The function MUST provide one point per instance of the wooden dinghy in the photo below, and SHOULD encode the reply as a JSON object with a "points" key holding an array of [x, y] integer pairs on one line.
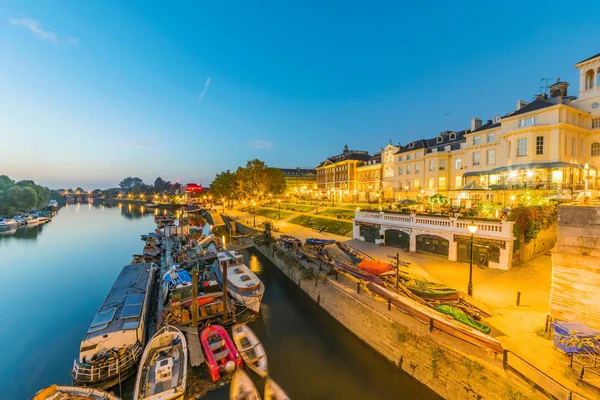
{"points": [[356, 272], [375, 267], [273, 391], [250, 349], [56, 392], [162, 373], [354, 254], [153, 241], [242, 387]]}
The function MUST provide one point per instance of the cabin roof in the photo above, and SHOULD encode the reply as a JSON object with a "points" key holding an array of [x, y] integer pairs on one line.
{"points": [[124, 305]]}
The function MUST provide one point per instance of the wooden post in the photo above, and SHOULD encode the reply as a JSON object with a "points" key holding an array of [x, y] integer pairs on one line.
{"points": [[397, 270], [505, 359], [431, 325], [225, 303], [195, 298], [357, 287], [389, 305], [518, 299]]}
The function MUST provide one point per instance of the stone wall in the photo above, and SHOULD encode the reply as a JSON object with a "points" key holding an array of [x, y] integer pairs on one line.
{"points": [[575, 293], [544, 242], [452, 368]]}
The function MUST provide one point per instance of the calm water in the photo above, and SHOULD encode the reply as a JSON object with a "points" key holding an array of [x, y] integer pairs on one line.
{"points": [[56, 275]]}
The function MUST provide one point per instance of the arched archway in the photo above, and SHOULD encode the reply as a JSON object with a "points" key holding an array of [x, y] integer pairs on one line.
{"points": [[388, 193], [432, 244], [396, 238], [589, 79]]}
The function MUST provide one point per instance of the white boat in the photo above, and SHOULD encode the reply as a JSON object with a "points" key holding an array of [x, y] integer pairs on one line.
{"points": [[162, 373], [8, 223], [273, 391], [250, 349], [242, 387], [53, 205], [114, 342], [242, 284], [56, 392]]}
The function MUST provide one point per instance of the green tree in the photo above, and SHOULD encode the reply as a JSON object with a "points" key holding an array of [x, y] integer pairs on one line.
{"points": [[130, 183], [225, 185], [276, 181], [257, 179], [5, 182]]}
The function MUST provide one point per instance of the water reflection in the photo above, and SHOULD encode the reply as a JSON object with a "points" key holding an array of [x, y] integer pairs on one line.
{"points": [[28, 232]]}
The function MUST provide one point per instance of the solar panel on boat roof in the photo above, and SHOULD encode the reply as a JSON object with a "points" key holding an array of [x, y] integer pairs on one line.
{"points": [[103, 317], [132, 311], [134, 299]]}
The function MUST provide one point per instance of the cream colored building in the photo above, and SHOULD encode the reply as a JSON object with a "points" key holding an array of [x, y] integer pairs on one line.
{"points": [[368, 186], [549, 145]]}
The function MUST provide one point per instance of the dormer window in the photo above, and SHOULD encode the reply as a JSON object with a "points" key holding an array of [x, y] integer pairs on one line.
{"points": [[496, 119], [411, 145], [452, 136], [439, 139]]}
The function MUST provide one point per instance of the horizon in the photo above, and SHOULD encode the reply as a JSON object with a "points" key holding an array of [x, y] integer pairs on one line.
{"points": [[94, 93]]}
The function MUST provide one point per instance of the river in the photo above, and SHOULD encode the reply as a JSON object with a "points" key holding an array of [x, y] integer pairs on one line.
{"points": [[56, 276]]}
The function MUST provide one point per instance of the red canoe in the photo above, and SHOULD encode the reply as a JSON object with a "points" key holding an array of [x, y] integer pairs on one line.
{"points": [[219, 350], [375, 267]]}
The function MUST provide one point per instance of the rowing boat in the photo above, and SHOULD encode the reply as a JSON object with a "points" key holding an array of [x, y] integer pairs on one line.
{"points": [[250, 349], [354, 254], [375, 267], [273, 391], [356, 272], [242, 387], [319, 242]]}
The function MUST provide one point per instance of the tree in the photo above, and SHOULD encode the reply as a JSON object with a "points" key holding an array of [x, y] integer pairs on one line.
{"points": [[276, 181], [161, 186], [130, 183], [5, 182], [225, 185]]}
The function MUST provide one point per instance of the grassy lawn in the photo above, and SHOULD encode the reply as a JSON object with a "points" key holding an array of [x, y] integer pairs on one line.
{"points": [[353, 206], [342, 228], [273, 214], [294, 207], [334, 212]]}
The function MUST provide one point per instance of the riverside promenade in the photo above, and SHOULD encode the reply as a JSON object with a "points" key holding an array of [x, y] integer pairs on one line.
{"points": [[519, 328]]}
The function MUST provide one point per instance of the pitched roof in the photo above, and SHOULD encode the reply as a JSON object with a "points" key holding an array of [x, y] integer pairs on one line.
{"points": [[587, 59], [348, 155], [296, 171], [537, 104], [488, 125]]}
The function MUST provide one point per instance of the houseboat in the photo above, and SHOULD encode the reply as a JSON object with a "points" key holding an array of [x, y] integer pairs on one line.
{"points": [[113, 344]]}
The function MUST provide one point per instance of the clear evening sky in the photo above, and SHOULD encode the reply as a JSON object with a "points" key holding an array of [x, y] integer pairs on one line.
{"points": [[94, 91]]}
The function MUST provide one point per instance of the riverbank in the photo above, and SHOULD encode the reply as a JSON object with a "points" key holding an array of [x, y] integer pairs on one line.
{"points": [[459, 358]]}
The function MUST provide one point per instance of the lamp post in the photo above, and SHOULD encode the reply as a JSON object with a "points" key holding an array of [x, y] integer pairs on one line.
{"points": [[279, 208], [472, 227], [333, 197], [406, 190], [223, 201], [254, 212]]}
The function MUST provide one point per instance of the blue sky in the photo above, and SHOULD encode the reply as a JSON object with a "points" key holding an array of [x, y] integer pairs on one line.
{"points": [[94, 91]]}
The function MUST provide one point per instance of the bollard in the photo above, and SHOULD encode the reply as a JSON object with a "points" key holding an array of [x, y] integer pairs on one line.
{"points": [[319, 299], [336, 275], [518, 299], [357, 287], [389, 305], [431, 325]]}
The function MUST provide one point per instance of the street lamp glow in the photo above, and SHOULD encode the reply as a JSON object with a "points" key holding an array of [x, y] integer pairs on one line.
{"points": [[472, 227], [529, 174], [406, 187]]}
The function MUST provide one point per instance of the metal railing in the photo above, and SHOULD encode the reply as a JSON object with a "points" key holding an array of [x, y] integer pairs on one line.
{"points": [[586, 368], [537, 378], [105, 370]]}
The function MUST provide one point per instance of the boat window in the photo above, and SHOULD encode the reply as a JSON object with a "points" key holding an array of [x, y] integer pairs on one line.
{"points": [[132, 311], [103, 318], [134, 299], [97, 328], [245, 278]]}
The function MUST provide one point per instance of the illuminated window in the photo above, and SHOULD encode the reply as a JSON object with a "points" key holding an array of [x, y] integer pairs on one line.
{"points": [[491, 157], [458, 182], [431, 183], [417, 184], [596, 149], [431, 165], [442, 165], [442, 183], [458, 163], [476, 158]]}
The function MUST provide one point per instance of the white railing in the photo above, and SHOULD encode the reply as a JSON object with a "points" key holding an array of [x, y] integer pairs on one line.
{"points": [[99, 371], [492, 229]]}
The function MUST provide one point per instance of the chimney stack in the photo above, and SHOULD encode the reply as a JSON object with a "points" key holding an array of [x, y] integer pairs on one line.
{"points": [[558, 90], [475, 123], [521, 104]]}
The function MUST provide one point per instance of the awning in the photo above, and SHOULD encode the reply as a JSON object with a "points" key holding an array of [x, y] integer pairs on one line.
{"points": [[525, 166], [474, 185]]}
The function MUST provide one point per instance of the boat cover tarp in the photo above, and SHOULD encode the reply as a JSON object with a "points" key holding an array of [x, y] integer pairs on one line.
{"points": [[374, 267], [174, 278], [460, 316]]}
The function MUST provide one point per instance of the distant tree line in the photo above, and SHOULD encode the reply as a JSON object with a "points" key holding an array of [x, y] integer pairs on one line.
{"points": [[254, 181], [137, 186], [21, 196]]}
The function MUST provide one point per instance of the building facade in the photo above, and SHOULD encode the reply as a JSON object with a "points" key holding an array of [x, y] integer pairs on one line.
{"points": [[337, 176], [551, 144], [299, 180], [368, 186]]}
